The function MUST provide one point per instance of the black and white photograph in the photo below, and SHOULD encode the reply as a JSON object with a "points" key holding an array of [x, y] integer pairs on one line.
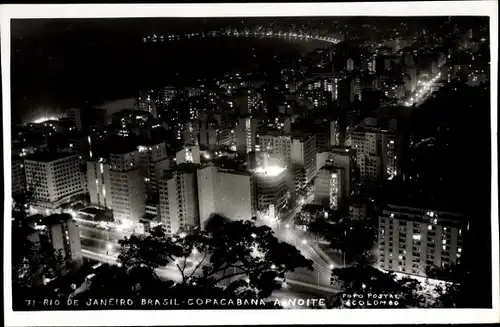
{"points": [[259, 164]]}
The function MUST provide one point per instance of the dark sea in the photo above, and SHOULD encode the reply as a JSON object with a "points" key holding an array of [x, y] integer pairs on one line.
{"points": [[58, 73]]}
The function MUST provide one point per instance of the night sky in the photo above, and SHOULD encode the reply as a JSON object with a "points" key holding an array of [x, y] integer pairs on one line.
{"points": [[63, 63]]}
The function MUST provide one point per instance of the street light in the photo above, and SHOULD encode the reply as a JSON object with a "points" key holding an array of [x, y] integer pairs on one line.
{"points": [[304, 241], [332, 266], [109, 247]]}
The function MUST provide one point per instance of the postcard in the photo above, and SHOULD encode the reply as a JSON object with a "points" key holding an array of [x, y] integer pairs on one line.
{"points": [[248, 164]]}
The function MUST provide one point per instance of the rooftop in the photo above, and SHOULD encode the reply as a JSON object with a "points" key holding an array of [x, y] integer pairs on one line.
{"points": [[269, 171], [341, 150], [49, 156], [51, 220]]}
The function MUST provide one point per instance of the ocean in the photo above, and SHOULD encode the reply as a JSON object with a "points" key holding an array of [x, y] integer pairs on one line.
{"points": [[50, 76]]}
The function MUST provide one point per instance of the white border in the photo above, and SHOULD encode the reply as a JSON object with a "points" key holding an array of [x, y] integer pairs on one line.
{"points": [[368, 316]]}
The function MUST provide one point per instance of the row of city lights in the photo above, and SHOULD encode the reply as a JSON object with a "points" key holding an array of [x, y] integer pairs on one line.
{"points": [[154, 38], [426, 86]]}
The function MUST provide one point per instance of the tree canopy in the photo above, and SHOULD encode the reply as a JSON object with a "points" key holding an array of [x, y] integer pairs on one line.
{"points": [[236, 257]]}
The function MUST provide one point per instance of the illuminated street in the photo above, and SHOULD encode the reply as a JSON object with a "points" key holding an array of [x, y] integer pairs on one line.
{"points": [[423, 91], [96, 241]]}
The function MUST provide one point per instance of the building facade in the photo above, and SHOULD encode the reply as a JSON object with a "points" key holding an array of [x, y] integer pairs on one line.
{"points": [[276, 143], [245, 134], [61, 233], [226, 192], [375, 151], [272, 189], [53, 177], [128, 196], [153, 162], [179, 198], [98, 179], [303, 152], [328, 187], [411, 240]]}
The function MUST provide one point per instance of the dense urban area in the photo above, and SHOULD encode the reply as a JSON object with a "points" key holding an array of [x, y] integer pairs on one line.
{"points": [[336, 173]]}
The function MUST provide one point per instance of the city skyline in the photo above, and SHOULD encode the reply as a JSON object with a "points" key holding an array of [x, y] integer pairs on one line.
{"points": [[251, 163]]}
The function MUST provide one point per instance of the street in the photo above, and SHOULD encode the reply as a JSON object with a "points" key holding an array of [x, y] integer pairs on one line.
{"points": [[102, 245]]}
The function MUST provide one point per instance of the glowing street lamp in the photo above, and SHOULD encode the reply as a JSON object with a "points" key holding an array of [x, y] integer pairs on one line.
{"points": [[109, 247], [332, 266], [304, 241]]}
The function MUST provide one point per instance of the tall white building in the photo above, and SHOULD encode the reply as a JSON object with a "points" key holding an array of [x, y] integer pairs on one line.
{"points": [[303, 153], [410, 240], [226, 192], [153, 162], [276, 143], [272, 188], [99, 183], [128, 196], [328, 187], [245, 134], [179, 198], [296, 150], [53, 177], [375, 151], [334, 133]]}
